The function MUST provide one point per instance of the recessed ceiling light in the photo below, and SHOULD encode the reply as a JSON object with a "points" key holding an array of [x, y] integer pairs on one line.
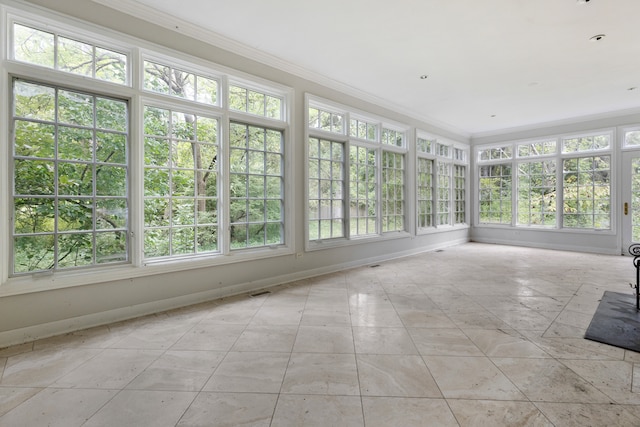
{"points": [[424, 77], [597, 37]]}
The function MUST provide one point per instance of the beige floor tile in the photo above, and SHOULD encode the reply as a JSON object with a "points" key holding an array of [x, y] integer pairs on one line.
{"points": [[504, 343], [317, 373], [490, 413], [58, 407], [443, 342], [111, 369], [613, 378], [267, 338], [407, 412], [178, 371], [10, 397], [143, 408], [588, 415], [209, 335], [42, 368], [324, 339], [318, 411], [471, 378], [395, 375], [258, 372], [414, 318], [230, 410], [371, 340], [547, 380]]}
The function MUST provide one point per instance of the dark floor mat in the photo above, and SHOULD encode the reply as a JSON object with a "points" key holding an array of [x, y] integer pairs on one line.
{"points": [[616, 322]]}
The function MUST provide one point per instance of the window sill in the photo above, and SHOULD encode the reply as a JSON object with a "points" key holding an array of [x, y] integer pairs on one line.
{"points": [[47, 281]]}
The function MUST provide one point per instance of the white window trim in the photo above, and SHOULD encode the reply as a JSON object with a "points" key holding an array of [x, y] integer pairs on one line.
{"points": [[433, 155]]}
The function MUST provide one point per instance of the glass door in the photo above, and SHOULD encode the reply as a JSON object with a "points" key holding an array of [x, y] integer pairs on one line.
{"points": [[630, 199]]}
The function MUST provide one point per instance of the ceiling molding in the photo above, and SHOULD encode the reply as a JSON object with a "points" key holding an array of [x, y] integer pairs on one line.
{"points": [[188, 29], [555, 123]]}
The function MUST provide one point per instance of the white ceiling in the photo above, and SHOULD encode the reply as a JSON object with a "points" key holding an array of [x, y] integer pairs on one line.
{"points": [[522, 61]]}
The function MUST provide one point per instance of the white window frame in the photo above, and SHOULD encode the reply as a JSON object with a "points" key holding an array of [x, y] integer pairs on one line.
{"points": [[437, 143], [349, 113]]}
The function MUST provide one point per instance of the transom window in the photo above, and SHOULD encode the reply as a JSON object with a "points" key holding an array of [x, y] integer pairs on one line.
{"points": [[53, 50], [167, 80], [255, 102]]}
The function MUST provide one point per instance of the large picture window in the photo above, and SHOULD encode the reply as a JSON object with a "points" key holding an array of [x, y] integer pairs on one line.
{"points": [[559, 182], [70, 178]]}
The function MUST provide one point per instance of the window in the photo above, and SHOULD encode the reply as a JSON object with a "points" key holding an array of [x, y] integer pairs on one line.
{"points": [[70, 175], [444, 193], [255, 102], [326, 120], [393, 137], [53, 50], [587, 192], [459, 192], [356, 174], [425, 193], [180, 183], [182, 84], [537, 193], [363, 130], [392, 191], [363, 207], [495, 194], [632, 138], [568, 188], [256, 188], [326, 187]]}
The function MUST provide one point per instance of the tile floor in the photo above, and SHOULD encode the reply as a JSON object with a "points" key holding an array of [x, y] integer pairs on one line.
{"points": [[475, 335]]}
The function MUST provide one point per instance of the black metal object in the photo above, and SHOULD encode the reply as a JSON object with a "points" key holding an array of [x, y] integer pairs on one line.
{"points": [[635, 251]]}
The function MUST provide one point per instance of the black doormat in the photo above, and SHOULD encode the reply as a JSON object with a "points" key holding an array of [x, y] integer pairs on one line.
{"points": [[616, 322]]}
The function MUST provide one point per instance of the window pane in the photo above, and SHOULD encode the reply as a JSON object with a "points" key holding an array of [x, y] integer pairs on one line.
{"points": [[33, 46], [75, 57]]}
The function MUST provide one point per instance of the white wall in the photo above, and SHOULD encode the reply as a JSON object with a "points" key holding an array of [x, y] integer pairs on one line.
{"points": [[29, 315]]}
